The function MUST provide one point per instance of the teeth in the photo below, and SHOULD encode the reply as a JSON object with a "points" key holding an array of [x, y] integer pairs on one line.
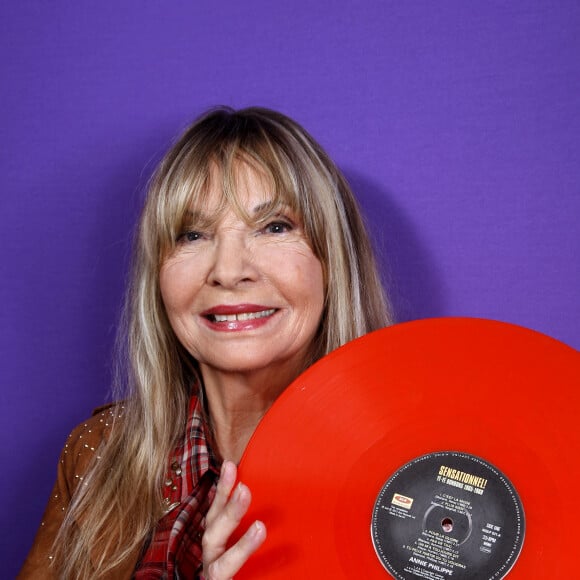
{"points": [[242, 316]]}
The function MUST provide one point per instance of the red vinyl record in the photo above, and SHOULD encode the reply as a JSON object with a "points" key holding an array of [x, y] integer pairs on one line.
{"points": [[422, 410]]}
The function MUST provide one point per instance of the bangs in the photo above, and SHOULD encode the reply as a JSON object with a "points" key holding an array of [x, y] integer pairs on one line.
{"points": [[185, 188], [234, 171]]}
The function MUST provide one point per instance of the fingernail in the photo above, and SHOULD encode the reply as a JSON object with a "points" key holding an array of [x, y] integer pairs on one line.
{"points": [[257, 528]]}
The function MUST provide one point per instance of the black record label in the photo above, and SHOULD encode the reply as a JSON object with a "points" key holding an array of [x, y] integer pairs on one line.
{"points": [[448, 515]]}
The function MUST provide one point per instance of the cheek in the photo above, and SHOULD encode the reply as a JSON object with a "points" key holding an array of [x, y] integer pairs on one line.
{"points": [[176, 286], [306, 282], [318, 289], [167, 288], [315, 280]]}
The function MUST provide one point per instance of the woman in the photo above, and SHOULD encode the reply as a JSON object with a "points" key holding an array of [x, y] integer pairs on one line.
{"points": [[251, 262]]}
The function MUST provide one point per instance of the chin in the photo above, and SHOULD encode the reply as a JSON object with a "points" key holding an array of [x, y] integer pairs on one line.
{"points": [[249, 366]]}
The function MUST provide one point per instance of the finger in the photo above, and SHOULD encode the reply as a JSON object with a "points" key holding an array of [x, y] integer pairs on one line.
{"points": [[233, 559], [228, 475], [223, 524]]}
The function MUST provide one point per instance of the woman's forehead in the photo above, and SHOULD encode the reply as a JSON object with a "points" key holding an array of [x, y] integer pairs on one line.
{"points": [[245, 182], [245, 187]]}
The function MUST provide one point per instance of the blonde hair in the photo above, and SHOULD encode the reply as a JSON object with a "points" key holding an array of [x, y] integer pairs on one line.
{"points": [[120, 500]]}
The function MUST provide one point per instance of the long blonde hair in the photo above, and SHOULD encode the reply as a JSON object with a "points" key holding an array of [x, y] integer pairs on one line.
{"points": [[120, 500]]}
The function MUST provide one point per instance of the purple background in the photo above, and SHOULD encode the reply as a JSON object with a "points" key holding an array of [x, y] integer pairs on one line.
{"points": [[457, 123]]}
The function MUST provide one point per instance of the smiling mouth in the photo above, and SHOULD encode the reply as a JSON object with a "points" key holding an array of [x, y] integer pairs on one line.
{"points": [[242, 316]]}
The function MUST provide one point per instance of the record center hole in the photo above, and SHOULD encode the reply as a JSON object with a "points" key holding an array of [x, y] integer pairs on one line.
{"points": [[447, 525]]}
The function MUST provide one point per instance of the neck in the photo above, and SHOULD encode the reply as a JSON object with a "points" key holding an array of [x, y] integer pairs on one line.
{"points": [[237, 402]]}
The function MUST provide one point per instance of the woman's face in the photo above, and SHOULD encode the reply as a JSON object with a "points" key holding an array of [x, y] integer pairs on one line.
{"points": [[241, 296]]}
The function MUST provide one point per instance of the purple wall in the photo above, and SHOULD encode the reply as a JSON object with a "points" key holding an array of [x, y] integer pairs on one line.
{"points": [[457, 122]]}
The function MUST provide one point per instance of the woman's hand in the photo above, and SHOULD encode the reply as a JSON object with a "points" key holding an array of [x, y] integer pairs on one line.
{"points": [[222, 519]]}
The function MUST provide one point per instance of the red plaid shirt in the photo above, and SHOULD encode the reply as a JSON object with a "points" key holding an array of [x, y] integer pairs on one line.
{"points": [[175, 547]]}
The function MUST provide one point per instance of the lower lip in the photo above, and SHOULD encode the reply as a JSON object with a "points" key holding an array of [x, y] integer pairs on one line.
{"points": [[238, 325]]}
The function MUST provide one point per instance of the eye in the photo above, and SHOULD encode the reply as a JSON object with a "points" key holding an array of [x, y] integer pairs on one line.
{"points": [[192, 236], [278, 227]]}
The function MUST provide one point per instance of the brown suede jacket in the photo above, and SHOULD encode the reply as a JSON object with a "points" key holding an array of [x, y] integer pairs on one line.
{"points": [[75, 458]]}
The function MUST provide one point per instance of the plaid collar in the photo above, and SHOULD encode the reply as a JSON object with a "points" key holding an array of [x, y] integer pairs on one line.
{"points": [[189, 488]]}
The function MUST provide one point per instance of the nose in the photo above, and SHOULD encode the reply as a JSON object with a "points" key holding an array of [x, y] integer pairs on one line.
{"points": [[232, 262]]}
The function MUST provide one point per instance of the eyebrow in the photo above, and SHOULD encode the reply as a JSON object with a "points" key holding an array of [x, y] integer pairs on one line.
{"points": [[269, 206], [262, 209]]}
